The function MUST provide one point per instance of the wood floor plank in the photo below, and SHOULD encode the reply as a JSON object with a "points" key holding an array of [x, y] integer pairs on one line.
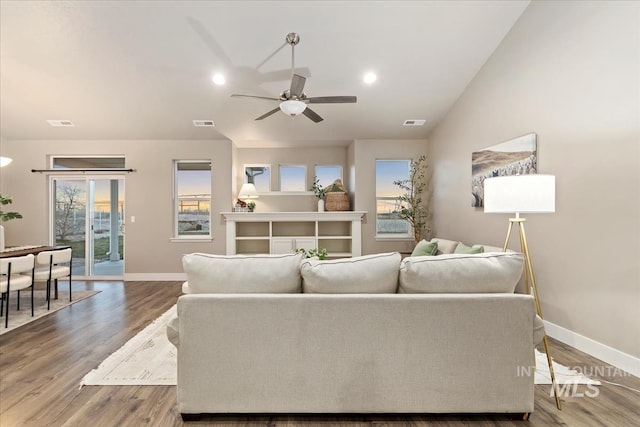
{"points": [[42, 363]]}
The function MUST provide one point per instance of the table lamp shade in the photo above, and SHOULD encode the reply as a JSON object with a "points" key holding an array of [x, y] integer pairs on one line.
{"points": [[520, 193], [248, 191]]}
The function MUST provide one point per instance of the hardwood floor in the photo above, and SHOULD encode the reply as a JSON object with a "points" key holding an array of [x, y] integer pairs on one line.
{"points": [[41, 365]]}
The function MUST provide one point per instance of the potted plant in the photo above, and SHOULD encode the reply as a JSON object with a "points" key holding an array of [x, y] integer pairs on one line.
{"points": [[319, 191], [251, 205], [412, 207], [6, 216], [313, 253]]}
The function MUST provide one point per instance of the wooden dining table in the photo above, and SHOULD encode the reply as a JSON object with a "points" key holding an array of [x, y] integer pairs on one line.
{"points": [[28, 249]]}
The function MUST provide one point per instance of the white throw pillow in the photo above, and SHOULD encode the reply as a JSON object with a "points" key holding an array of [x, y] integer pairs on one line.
{"points": [[445, 246], [374, 274], [238, 274], [488, 272]]}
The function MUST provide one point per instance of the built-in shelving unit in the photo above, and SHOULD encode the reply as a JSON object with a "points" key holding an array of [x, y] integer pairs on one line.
{"points": [[340, 233]]}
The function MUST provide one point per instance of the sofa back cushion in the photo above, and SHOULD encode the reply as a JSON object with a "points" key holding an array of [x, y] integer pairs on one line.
{"points": [[376, 273], [240, 274], [461, 273]]}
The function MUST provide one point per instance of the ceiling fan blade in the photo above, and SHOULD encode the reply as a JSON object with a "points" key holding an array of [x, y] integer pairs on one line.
{"points": [[271, 55], [210, 42], [265, 115], [281, 75], [312, 115], [297, 85], [331, 100], [237, 95]]}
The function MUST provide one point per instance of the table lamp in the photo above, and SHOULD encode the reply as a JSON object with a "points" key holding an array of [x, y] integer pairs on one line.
{"points": [[534, 193], [248, 191]]}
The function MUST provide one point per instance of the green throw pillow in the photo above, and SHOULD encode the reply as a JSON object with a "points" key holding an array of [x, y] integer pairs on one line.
{"points": [[425, 248], [464, 249]]}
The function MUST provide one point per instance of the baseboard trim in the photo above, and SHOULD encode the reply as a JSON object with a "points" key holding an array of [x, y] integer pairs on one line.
{"points": [[617, 358], [156, 277]]}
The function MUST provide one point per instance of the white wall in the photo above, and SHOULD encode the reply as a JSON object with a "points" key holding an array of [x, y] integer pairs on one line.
{"points": [[568, 71], [148, 195]]}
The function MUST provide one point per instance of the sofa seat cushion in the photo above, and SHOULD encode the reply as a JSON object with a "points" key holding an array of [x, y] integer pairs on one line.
{"points": [[488, 272], [173, 332], [207, 273], [538, 330], [376, 273]]}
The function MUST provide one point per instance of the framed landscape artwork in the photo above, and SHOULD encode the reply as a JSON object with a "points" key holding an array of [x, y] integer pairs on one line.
{"points": [[518, 156]]}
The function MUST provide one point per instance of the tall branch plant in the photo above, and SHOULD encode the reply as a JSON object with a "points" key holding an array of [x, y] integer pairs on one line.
{"points": [[412, 206]]}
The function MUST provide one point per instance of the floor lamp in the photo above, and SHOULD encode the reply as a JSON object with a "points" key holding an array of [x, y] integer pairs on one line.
{"points": [[535, 193]]}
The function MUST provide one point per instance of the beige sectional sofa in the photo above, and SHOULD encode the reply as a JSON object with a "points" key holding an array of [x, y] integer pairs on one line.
{"points": [[372, 334]]}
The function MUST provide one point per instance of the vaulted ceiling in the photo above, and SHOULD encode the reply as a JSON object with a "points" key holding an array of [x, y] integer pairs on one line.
{"points": [[143, 69]]}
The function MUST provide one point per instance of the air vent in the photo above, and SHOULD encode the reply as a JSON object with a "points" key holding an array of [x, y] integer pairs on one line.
{"points": [[203, 123], [60, 123], [414, 123]]}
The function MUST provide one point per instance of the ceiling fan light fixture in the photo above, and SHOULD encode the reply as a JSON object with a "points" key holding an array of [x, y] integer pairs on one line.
{"points": [[292, 107]]}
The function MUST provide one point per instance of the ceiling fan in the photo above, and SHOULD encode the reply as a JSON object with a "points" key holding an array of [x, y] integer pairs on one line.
{"points": [[293, 101]]}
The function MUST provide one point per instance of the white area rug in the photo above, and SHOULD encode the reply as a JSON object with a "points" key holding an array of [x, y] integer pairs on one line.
{"points": [[563, 374], [146, 359], [22, 317], [150, 359]]}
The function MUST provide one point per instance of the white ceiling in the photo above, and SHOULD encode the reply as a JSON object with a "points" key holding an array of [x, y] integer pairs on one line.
{"points": [[142, 69]]}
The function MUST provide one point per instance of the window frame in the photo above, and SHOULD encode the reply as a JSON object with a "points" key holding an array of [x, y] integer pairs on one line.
{"points": [[391, 236], [176, 236]]}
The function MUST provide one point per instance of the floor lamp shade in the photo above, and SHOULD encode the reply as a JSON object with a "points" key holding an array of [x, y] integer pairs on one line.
{"points": [[520, 193]]}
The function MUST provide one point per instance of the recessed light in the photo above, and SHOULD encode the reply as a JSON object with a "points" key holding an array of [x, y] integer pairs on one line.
{"points": [[203, 123], [414, 122], [369, 78], [219, 79], [61, 123]]}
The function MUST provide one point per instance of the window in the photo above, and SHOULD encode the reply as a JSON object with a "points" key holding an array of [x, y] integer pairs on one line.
{"points": [[258, 175], [293, 178], [388, 224], [82, 162], [192, 198], [327, 174]]}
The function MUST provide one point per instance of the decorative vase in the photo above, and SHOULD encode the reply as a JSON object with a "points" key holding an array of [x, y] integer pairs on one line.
{"points": [[320, 205]]}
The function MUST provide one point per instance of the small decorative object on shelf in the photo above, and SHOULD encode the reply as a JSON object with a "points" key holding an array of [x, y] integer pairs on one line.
{"points": [[251, 205], [336, 198], [319, 192], [240, 206], [313, 253]]}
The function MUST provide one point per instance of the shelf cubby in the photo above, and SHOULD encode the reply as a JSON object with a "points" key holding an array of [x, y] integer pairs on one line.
{"points": [[340, 233]]}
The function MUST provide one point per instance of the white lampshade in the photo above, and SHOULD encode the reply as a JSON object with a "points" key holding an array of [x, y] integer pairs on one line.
{"points": [[4, 161], [248, 191], [520, 193], [292, 107]]}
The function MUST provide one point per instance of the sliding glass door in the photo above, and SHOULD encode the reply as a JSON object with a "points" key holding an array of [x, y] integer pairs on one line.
{"points": [[88, 215]]}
